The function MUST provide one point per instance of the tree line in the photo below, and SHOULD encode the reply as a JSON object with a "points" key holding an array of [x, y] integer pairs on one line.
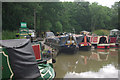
{"points": [[59, 16]]}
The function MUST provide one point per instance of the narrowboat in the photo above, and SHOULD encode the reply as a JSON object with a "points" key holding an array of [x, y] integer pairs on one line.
{"points": [[63, 43], [68, 43], [100, 42], [114, 38], [22, 60], [83, 42], [113, 42], [52, 40]]}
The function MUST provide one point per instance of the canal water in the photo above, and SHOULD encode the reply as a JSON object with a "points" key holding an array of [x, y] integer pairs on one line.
{"points": [[96, 63]]}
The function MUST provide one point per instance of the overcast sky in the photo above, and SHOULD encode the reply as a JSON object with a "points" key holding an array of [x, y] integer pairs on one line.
{"points": [[107, 3]]}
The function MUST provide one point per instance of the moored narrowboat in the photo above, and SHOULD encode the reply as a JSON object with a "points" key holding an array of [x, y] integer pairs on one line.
{"points": [[52, 41], [63, 43], [114, 38], [113, 41], [22, 61], [43, 51], [83, 42], [68, 43], [100, 42]]}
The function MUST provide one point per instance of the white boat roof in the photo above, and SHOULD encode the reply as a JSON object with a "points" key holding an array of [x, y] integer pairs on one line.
{"points": [[114, 30], [84, 31], [78, 35]]}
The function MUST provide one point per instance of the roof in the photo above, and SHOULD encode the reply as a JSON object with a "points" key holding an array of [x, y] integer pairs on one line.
{"points": [[84, 31], [114, 30], [49, 34], [14, 43], [78, 35], [22, 59]]}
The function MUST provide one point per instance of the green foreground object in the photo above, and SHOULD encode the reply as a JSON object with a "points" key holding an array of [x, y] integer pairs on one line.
{"points": [[46, 71], [6, 68], [18, 61]]}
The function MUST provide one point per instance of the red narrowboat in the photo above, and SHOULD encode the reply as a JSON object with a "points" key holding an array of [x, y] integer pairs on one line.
{"points": [[114, 38], [100, 42], [83, 42], [113, 42]]}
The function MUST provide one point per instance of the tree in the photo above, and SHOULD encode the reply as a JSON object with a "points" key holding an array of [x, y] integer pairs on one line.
{"points": [[114, 17], [58, 27], [60, 16]]}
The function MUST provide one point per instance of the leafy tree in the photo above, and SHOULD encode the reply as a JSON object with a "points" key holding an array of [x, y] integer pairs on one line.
{"points": [[114, 17], [60, 16], [58, 27]]}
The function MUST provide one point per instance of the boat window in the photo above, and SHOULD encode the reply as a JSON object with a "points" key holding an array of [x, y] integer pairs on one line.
{"points": [[102, 40]]}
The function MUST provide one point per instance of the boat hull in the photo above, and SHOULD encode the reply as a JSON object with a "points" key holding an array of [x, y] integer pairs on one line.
{"points": [[103, 46], [84, 47], [68, 49], [114, 45]]}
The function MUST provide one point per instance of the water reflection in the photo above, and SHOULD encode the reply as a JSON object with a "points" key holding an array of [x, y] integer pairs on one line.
{"points": [[108, 71], [83, 63]]}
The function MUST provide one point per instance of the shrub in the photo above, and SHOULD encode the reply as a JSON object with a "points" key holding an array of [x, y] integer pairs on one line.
{"points": [[8, 34], [101, 32]]}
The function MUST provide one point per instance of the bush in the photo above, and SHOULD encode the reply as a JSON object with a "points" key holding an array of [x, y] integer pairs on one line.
{"points": [[8, 34], [101, 32]]}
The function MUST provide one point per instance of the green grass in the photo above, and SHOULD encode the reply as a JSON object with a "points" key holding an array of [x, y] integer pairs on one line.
{"points": [[101, 32], [8, 34]]}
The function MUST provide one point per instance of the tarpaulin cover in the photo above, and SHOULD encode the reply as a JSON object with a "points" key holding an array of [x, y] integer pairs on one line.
{"points": [[22, 58]]}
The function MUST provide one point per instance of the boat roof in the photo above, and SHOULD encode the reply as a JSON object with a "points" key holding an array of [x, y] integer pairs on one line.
{"points": [[84, 31], [12, 43], [77, 35], [22, 59], [49, 34], [114, 30]]}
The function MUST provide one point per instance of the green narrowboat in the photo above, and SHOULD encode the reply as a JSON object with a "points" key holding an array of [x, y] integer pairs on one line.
{"points": [[19, 61]]}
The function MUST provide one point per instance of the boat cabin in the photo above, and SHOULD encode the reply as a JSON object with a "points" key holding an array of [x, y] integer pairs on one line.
{"points": [[83, 41], [100, 41], [68, 39], [49, 34], [68, 42], [114, 38], [114, 32]]}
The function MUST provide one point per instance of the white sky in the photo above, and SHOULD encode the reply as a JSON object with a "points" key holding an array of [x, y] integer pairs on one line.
{"points": [[107, 3]]}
